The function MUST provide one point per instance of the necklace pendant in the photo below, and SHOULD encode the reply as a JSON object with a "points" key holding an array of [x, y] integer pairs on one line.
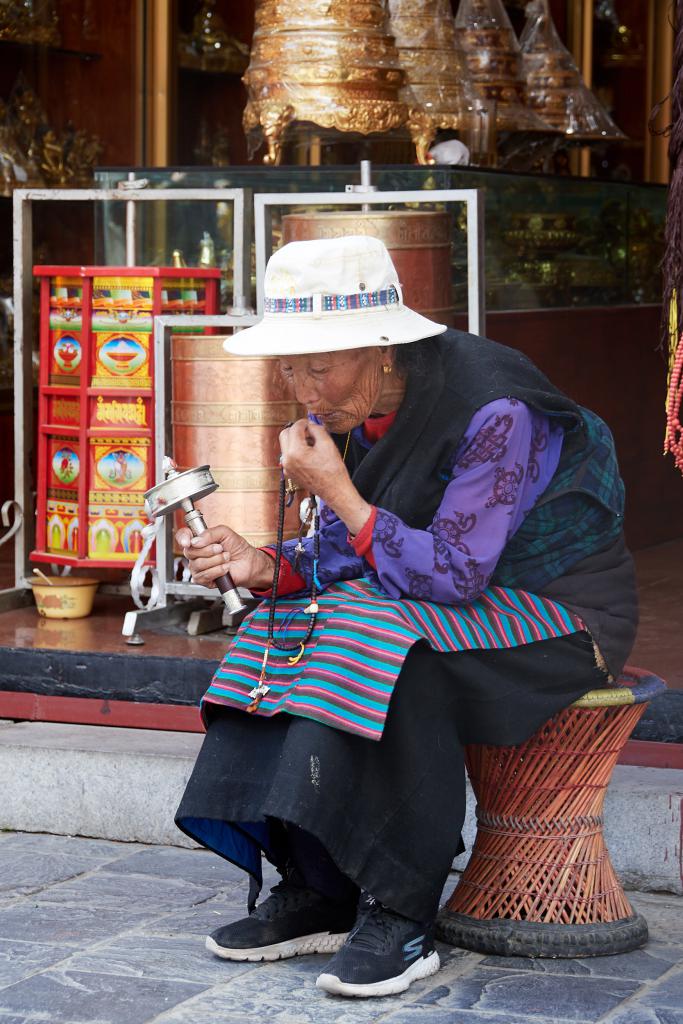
{"points": [[257, 695], [297, 657], [312, 608]]}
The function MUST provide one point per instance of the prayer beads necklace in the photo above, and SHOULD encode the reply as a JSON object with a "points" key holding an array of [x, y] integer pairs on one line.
{"points": [[261, 689]]}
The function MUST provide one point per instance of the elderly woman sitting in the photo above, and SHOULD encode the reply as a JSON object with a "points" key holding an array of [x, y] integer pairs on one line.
{"points": [[464, 578]]}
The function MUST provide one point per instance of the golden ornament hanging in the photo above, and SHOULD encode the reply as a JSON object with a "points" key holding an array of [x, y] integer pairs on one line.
{"points": [[437, 77], [494, 59], [554, 85], [209, 47], [330, 63]]}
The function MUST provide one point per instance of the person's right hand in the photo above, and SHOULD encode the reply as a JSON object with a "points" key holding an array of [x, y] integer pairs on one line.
{"points": [[220, 550]]}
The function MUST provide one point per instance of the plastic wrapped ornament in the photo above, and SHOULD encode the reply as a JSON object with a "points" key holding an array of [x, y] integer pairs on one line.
{"points": [[485, 35], [555, 88]]}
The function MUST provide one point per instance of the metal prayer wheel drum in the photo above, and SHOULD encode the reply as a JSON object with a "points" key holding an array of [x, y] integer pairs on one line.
{"points": [[228, 412], [419, 242]]}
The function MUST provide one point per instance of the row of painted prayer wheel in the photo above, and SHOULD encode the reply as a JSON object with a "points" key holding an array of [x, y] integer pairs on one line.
{"points": [[228, 411]]}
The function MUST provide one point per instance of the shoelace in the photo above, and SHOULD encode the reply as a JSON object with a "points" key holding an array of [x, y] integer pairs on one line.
{"points": [[375, 925], [283, 896]]}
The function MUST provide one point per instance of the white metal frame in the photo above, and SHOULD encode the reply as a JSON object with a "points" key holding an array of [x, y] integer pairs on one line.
{"points": [[131, 193], [472, 198]]}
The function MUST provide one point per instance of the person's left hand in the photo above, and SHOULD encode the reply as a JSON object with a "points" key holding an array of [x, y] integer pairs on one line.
{"points": [[311, 459]]}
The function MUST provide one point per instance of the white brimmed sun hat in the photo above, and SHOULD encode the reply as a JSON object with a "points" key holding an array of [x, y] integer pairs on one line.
{"points": [[330, 294]]}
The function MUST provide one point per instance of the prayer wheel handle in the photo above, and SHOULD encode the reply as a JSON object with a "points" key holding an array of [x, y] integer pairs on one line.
{"points": [[180, 491]]}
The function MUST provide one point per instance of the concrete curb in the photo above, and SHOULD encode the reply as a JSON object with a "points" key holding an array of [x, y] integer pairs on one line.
{"points": [[125, 784]]}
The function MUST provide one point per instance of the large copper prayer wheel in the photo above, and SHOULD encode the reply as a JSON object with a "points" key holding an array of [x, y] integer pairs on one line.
{"points": [[228, 412], [419, 243]]}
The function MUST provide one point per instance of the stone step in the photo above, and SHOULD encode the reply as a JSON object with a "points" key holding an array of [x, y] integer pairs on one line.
{"points": [[125, 784]]}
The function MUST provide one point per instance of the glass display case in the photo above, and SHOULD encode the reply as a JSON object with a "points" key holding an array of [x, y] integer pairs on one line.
{"points": [[551, 242]]}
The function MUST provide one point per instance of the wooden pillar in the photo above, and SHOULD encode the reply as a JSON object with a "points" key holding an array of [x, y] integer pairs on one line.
{"points": [[660, 45], [155, 81], [580, 37]]}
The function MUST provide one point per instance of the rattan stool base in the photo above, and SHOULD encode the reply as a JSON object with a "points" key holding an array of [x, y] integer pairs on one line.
{"points": [[540, 881], [529, 938]]}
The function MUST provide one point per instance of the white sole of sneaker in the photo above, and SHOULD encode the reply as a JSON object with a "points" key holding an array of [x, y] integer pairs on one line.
{"points": [[320, 942], [422, 968]]}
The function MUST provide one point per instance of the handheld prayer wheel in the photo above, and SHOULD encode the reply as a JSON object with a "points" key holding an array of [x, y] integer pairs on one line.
{"points": [[228, 411], [178, 493], [419, 243]]}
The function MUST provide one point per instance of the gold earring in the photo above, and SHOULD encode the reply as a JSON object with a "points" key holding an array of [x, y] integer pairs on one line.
{"points": [[387, 369]]}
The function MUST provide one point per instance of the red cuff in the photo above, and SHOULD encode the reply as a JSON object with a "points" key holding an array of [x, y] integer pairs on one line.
{"points": [[289, 581], [362, 542]]}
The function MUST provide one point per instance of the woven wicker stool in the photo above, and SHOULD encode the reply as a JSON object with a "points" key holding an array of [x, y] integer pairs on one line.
{"points": [[540, 881]]}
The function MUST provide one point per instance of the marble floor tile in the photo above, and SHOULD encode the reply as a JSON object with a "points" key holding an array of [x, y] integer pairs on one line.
{"points": [[27, 871], [197, 866], [532, 995], [58, 924], [140, 892], [80, 998], [151, 956], [636, 1013], [19, 960], [203, 918], [644, 964]]}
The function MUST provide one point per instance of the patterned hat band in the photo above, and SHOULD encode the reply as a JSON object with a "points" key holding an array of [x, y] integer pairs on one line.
{"points": [[333, 303]]}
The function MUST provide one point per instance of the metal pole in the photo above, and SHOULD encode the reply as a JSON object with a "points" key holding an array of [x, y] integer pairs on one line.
{"points": [[476, 296], [23, 382], [131, 216], [365, 181]]}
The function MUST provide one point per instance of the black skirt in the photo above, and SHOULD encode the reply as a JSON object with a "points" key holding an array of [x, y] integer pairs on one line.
{"points": [[389, 813]]}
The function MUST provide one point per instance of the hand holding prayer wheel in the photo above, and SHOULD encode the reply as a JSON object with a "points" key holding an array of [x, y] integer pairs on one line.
{"points": [[219, 550]]}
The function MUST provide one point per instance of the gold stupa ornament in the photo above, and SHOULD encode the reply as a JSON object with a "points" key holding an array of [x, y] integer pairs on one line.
{"points": [[488, 40], [554, 84], [30, 21], [209, 47], [437, 77], [330, 63]]}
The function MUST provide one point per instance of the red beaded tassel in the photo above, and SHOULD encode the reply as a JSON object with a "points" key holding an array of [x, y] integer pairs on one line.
{"points": [[673, 442]]}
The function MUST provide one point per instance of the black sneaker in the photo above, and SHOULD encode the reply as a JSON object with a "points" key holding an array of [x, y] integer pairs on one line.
{"points": [[291, 921], [383, 954]]}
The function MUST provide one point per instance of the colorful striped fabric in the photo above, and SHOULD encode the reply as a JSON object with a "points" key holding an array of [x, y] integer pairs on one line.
{"points": [[348, 670]]}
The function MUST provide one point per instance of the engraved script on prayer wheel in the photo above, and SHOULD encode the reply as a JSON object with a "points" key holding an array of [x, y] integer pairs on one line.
{"points": [[329, 63], [419, 243], [228, 412], [494, 59]]}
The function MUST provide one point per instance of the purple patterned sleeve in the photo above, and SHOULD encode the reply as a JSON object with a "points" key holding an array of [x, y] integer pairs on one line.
{"points": [[503, 464]]}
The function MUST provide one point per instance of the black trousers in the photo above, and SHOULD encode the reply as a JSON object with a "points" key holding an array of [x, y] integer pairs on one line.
{"points": [[388, 814]]}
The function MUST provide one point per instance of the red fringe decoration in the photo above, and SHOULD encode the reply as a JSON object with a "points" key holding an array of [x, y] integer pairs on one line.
{"points": [[672, 264], [673, 441]]}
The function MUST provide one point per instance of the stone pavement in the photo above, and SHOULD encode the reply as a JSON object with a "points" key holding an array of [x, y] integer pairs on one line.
{"points": [[97, 932]]}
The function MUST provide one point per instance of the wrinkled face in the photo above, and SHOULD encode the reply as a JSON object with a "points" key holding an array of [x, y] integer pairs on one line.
{"points": [[340, 388]]}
